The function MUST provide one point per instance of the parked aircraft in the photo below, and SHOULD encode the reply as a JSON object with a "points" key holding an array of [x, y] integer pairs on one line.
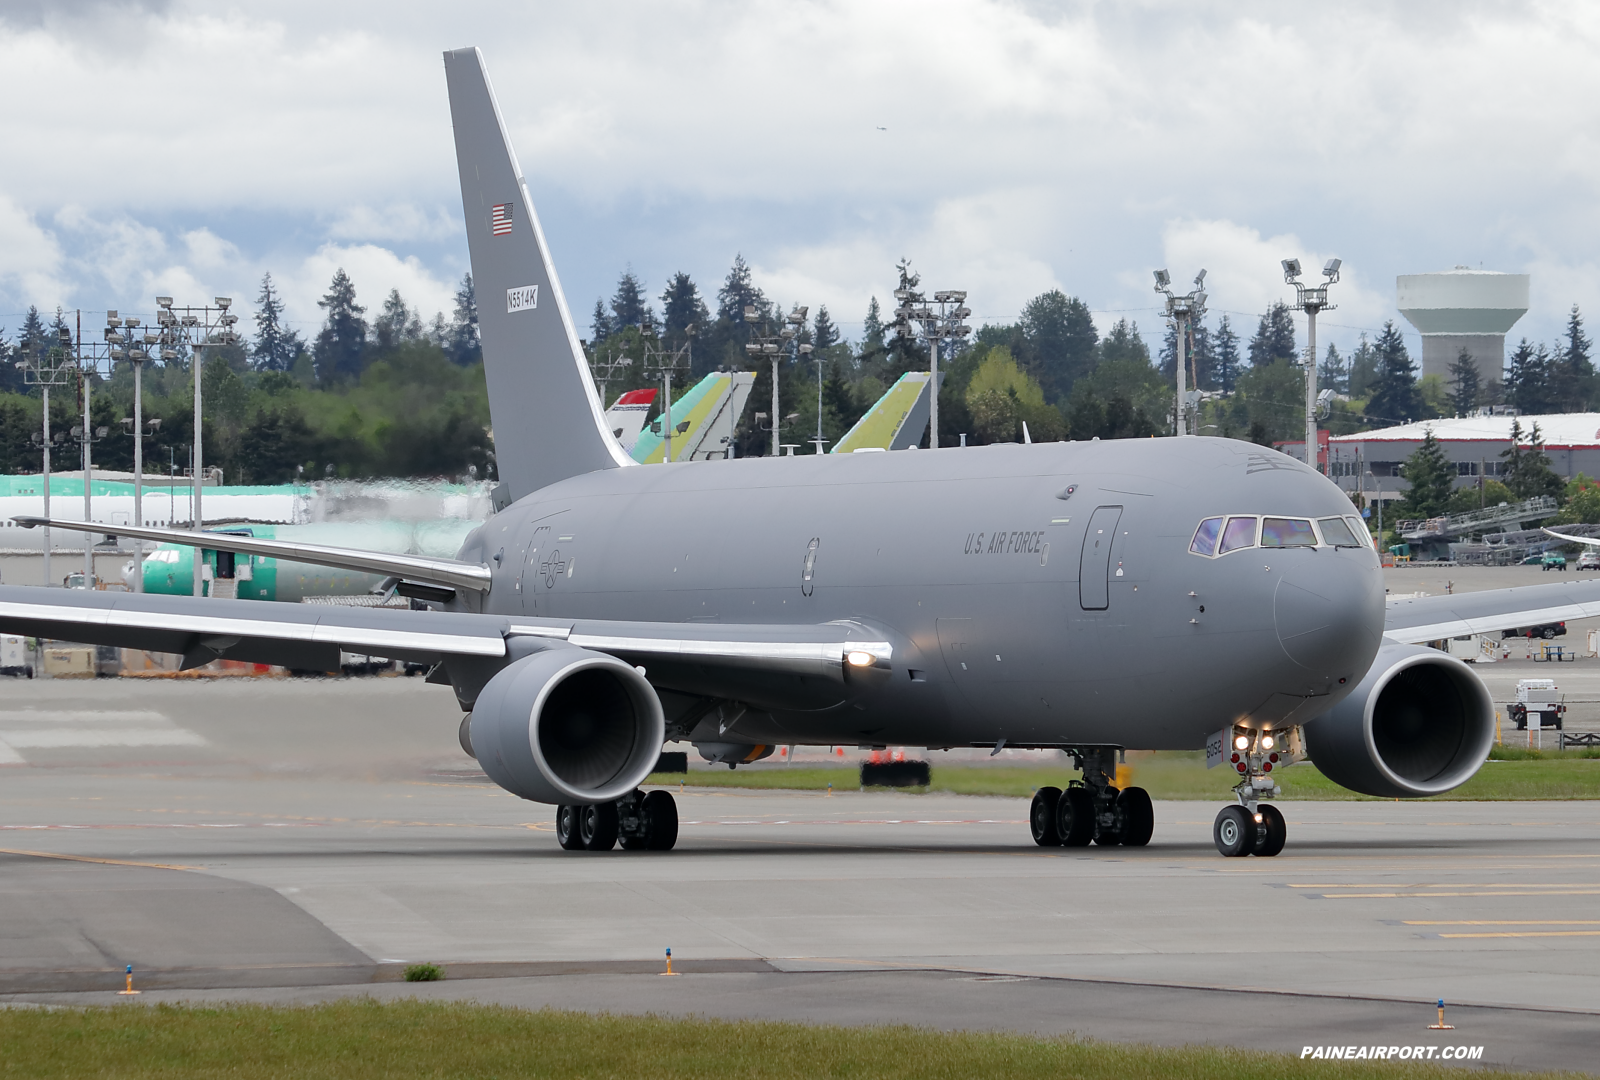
{"points": [[1094, 597]]}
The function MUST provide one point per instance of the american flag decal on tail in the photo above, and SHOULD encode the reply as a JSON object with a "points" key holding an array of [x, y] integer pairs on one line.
{"points": [[500, 220]]}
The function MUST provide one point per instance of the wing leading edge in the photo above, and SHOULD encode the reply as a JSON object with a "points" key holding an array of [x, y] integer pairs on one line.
{"points": [[425, 569], [1432, 618]]}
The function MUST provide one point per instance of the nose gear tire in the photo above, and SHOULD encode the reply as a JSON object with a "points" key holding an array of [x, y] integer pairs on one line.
{"points": [[1042, 817], [1271, 833], [1234, 832]]}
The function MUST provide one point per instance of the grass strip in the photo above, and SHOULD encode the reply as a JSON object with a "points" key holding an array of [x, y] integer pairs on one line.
{"points": [[354, 1040], [1513, 774]]}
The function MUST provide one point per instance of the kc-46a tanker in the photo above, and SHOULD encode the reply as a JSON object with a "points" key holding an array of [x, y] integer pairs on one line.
{"points": [[1094, 597]]}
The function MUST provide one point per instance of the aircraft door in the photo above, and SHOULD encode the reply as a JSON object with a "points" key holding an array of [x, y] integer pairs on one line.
{"points": [[1094, 568]]}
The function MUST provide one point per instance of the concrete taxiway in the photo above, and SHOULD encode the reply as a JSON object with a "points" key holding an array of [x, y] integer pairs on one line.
{"points": [[292, 840]]}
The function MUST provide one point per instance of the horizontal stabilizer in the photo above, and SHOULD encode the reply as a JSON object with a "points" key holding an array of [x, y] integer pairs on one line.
{"points": [[427, 570]]}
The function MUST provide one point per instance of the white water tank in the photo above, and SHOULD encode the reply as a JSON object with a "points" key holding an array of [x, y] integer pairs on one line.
{"points": [[1463, 309]]}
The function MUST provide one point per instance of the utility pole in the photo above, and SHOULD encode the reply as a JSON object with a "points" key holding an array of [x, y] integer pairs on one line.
{"points": [[772, 347], [1183, 310], [1311, 299], [665, 364]]}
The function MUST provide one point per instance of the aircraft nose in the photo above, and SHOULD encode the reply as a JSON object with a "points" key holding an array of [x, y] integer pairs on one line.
{"points": [[1329, 614]]}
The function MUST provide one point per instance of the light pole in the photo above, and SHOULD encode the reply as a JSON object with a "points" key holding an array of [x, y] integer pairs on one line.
{"points": [[1311, 299], [125, 346], [1182, 310], [946, 323], [198, 327], [665, 364], [52, 368], [770, 346]]}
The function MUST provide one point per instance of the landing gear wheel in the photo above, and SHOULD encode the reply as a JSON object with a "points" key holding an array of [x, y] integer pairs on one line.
{"points": [[597, 826], [1110, 835], [1042, 817], [1234, 832], [661, 816], [1075, 817], [567, 828], [1138, 817], [1271, 832]]}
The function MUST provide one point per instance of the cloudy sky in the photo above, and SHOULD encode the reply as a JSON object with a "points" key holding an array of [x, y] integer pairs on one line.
{"points": [[1004, 147]]}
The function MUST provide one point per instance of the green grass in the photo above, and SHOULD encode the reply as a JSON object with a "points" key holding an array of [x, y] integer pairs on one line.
{"points": [[353, 1040], [424, 973], [1515, 773]]}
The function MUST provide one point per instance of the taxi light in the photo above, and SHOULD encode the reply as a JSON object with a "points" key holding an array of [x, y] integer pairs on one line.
{"points": [[1258, 819], [1242, 742], [859, 658], [1266, 742]]}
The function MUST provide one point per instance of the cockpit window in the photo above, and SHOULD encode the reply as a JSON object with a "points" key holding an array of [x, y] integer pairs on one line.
{"points": [[1205, 537], [1240, 533], [1287, 532], [1336, 531], [1359, 529]]}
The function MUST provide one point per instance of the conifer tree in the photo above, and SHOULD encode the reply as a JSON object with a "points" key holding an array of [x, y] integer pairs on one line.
{"points": [[1333, 374], [1060, 340], [466, 347], [343, 340], [1528, 378], [630, 306], [1574, 375], [276, 345], [1526, 471], [1274, 338], [1432, 479], [824, 334], [1463, 384], [1363, 368], [599, 323], [1227, 356], [738, 293], [1395, 397], [682, 307]]}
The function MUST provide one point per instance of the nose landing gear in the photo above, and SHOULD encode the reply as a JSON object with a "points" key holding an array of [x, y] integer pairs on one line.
{"points": [[1092, 809], [1255, 827]]}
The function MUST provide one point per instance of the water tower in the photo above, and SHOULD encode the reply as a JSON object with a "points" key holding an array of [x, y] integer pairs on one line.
{"points": [[1463, 309]]}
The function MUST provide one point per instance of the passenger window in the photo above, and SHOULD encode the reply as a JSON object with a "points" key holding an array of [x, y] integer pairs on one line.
{"points": [[1336, 531], [1287, 532], [1205, 537], [1240, 533]]}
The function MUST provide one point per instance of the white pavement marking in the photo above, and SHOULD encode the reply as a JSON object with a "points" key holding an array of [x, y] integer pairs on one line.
{"points": [[37, 740]]}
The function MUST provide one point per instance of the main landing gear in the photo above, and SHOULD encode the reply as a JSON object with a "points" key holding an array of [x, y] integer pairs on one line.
{"points": [[1254, 827], [1092, 808], [642, 821]]}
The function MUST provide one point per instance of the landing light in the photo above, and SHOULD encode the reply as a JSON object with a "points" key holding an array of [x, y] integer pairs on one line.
{"points": [[859, 658], [1267, 742], [1242, 742]]}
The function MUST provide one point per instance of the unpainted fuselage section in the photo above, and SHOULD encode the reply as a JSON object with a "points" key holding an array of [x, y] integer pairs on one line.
{"points": [[973, 562]]}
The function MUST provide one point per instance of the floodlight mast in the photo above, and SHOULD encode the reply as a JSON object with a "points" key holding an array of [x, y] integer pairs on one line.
{"points": [[1311, 299], [1182, 310], [947, 323]]}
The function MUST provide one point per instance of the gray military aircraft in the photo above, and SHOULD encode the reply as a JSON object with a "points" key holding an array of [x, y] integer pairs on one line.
{"points": [[1094, 597]]}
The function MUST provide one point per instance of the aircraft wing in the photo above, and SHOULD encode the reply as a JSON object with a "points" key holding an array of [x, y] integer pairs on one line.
{"points": [[759, 663], [428, 570], [1431, 618]]}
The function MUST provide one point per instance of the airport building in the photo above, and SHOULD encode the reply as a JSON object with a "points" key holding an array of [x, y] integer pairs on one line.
{"points": [[1463, 309], [1371, 461]]}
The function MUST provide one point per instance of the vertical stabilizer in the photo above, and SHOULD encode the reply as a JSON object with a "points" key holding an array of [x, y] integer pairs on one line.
{"points": [[548, 421]]}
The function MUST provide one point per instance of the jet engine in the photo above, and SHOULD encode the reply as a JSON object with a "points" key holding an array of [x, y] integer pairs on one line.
{"points": [[567, 726], [1419, 723]]}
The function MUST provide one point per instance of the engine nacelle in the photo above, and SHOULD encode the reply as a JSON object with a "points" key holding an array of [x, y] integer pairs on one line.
{"points": [[1419, 723], [567, 726]]}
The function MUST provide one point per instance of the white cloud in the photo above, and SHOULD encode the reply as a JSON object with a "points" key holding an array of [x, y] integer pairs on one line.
{"points": [[30, 257], [1027, 144], [374, 270]]}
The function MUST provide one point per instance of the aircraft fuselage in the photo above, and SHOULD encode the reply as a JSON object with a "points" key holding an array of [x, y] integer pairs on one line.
{"points": [[1019, 611]]}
